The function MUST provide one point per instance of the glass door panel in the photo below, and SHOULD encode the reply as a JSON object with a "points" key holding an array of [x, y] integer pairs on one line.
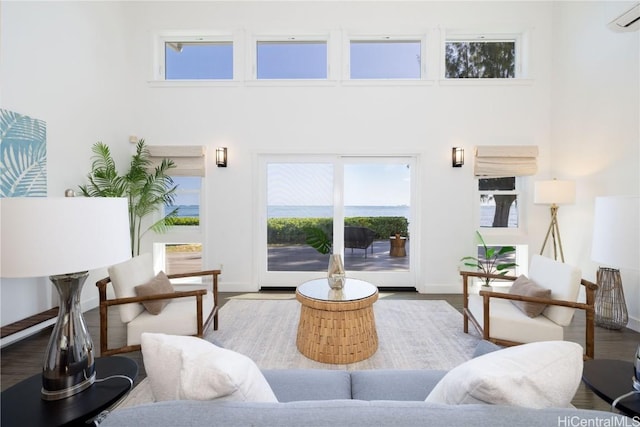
{"points": [[377, 205], [299, 205]]}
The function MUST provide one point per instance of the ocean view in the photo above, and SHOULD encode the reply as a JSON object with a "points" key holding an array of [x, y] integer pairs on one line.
{"points": [[486, 212]]}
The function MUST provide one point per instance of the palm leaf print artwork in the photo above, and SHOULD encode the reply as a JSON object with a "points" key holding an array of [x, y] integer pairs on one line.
{"points": [[23, 155]]}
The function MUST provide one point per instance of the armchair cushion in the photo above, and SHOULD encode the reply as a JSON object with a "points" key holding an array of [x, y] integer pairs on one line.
{"points": [[125, 277], [156, 286], [526, 287], [509, 323], [564, 282], [190, 368], [538, 375], [177, 318]]}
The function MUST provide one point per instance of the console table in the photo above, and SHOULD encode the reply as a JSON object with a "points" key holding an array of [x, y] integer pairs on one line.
{"points": [[337, 326], [22, 405]]}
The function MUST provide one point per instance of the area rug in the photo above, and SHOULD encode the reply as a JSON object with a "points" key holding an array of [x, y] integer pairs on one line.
{"points": [[412, 334]]}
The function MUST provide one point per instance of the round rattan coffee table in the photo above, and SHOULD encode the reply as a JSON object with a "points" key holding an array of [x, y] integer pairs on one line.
{"points": [[337, 326]]}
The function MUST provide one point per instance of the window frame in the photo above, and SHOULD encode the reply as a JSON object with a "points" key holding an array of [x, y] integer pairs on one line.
{"points": [[159, 62], [521, 39], [252, 51]]}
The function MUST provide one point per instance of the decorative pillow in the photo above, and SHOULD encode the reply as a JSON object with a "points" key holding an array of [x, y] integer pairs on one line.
{"points": [[536, 375], [190, 368], [158, 285], [528, 288]]}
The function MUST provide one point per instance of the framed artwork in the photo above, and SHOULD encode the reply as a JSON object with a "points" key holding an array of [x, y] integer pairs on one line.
{"points": [[23, 155]]}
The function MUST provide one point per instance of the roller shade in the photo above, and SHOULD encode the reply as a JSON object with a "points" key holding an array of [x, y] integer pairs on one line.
{"points": [[496, 161], [189, 159]]}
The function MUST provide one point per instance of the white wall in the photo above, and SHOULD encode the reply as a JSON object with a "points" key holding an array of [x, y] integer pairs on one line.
{"points": [[595, 124], [93, 85]]}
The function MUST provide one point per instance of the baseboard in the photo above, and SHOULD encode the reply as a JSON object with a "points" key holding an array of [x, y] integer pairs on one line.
{"points": [[634, 324]]}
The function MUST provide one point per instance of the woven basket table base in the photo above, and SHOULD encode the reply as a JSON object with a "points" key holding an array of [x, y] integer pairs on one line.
{"points": [[337, 332]]}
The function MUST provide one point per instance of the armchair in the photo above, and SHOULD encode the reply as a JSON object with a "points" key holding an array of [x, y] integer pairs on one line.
{"points": [[500, 321], [189, 312], [359, 238]]}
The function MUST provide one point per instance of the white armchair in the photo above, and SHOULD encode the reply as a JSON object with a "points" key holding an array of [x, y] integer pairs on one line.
{"points": [[497, 318], [159, 309]]}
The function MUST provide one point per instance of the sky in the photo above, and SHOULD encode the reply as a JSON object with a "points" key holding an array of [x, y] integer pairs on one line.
{"points": [[294, 60]]}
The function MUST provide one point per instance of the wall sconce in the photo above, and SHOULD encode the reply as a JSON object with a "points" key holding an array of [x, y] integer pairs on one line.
{"points": [[457, 157], [221, 157]]}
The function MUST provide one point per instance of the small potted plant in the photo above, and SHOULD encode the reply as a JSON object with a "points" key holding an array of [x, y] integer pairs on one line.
{"points": [[490, 262]]}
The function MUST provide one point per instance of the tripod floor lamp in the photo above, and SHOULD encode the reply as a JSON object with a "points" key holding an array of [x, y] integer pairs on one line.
{"points": [[554, 193]]}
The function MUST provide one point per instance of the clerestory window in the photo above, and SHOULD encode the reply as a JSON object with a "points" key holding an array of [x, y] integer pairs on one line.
{"points": [[481, 57], [385, 59], [188, 57], [291, 59]]}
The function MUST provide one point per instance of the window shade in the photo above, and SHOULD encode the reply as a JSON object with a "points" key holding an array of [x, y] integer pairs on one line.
{"points": [[189, 159], [505, 160]]}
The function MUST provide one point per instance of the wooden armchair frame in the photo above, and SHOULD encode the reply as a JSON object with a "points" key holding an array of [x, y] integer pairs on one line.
{"points": [[105, 303], [485, 328]]}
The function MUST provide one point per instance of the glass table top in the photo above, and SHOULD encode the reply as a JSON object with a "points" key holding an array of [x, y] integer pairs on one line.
{"points": [[352, 290]]}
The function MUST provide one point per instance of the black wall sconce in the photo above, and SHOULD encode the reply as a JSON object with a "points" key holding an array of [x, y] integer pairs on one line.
{"points": [[457, 157], [221, 157]]}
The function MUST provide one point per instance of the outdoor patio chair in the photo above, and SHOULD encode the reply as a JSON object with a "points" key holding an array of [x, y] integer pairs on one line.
{"points": [[498, 319], [359, 238], [156, 306]]}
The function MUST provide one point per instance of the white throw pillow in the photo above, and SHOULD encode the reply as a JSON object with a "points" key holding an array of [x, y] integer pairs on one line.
{"points": [[190, 368], [536, 375]]}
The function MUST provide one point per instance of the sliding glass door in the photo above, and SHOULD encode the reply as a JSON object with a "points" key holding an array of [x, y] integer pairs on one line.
{"points": [[360, 207]]}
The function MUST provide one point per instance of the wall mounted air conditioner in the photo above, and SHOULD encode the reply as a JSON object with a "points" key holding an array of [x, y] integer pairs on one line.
{"points": [[628, 21]]}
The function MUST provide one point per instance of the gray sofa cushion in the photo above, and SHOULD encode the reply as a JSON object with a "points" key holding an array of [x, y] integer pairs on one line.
{"points": [[309, 384], [394, 384], [348, 413]]}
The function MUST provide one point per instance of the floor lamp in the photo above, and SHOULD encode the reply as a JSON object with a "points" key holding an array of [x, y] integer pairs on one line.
{"points": [[63, 238], [554, 193], [616, 242]]}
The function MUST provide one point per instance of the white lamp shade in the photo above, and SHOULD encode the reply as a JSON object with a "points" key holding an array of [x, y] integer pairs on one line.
{"points": [[50, 236], [616, 232], [554, 192]]}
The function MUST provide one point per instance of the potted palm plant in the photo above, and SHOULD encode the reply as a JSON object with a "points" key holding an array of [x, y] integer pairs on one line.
{"points": [[490, 261], [147, 189]]}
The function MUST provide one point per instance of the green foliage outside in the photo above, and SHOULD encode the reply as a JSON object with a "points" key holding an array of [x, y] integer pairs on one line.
{"points": [[482, 59], [294, 230], [181, 221]]}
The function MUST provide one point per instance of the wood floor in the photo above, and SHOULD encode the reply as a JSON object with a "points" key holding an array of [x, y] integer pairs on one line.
{"points": [[24, 358]]}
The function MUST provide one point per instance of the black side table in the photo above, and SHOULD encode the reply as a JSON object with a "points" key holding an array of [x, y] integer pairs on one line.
{"points": [[610, 379], [22, 405]]}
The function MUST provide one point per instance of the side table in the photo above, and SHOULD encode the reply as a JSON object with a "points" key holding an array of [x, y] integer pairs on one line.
{"points": [[337, 326], [22, 405], [610, 379]]}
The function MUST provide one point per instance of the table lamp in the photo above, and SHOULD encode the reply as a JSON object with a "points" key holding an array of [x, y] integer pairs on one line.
{"points": [[63, 238], [554, 193], [616, 242]]}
